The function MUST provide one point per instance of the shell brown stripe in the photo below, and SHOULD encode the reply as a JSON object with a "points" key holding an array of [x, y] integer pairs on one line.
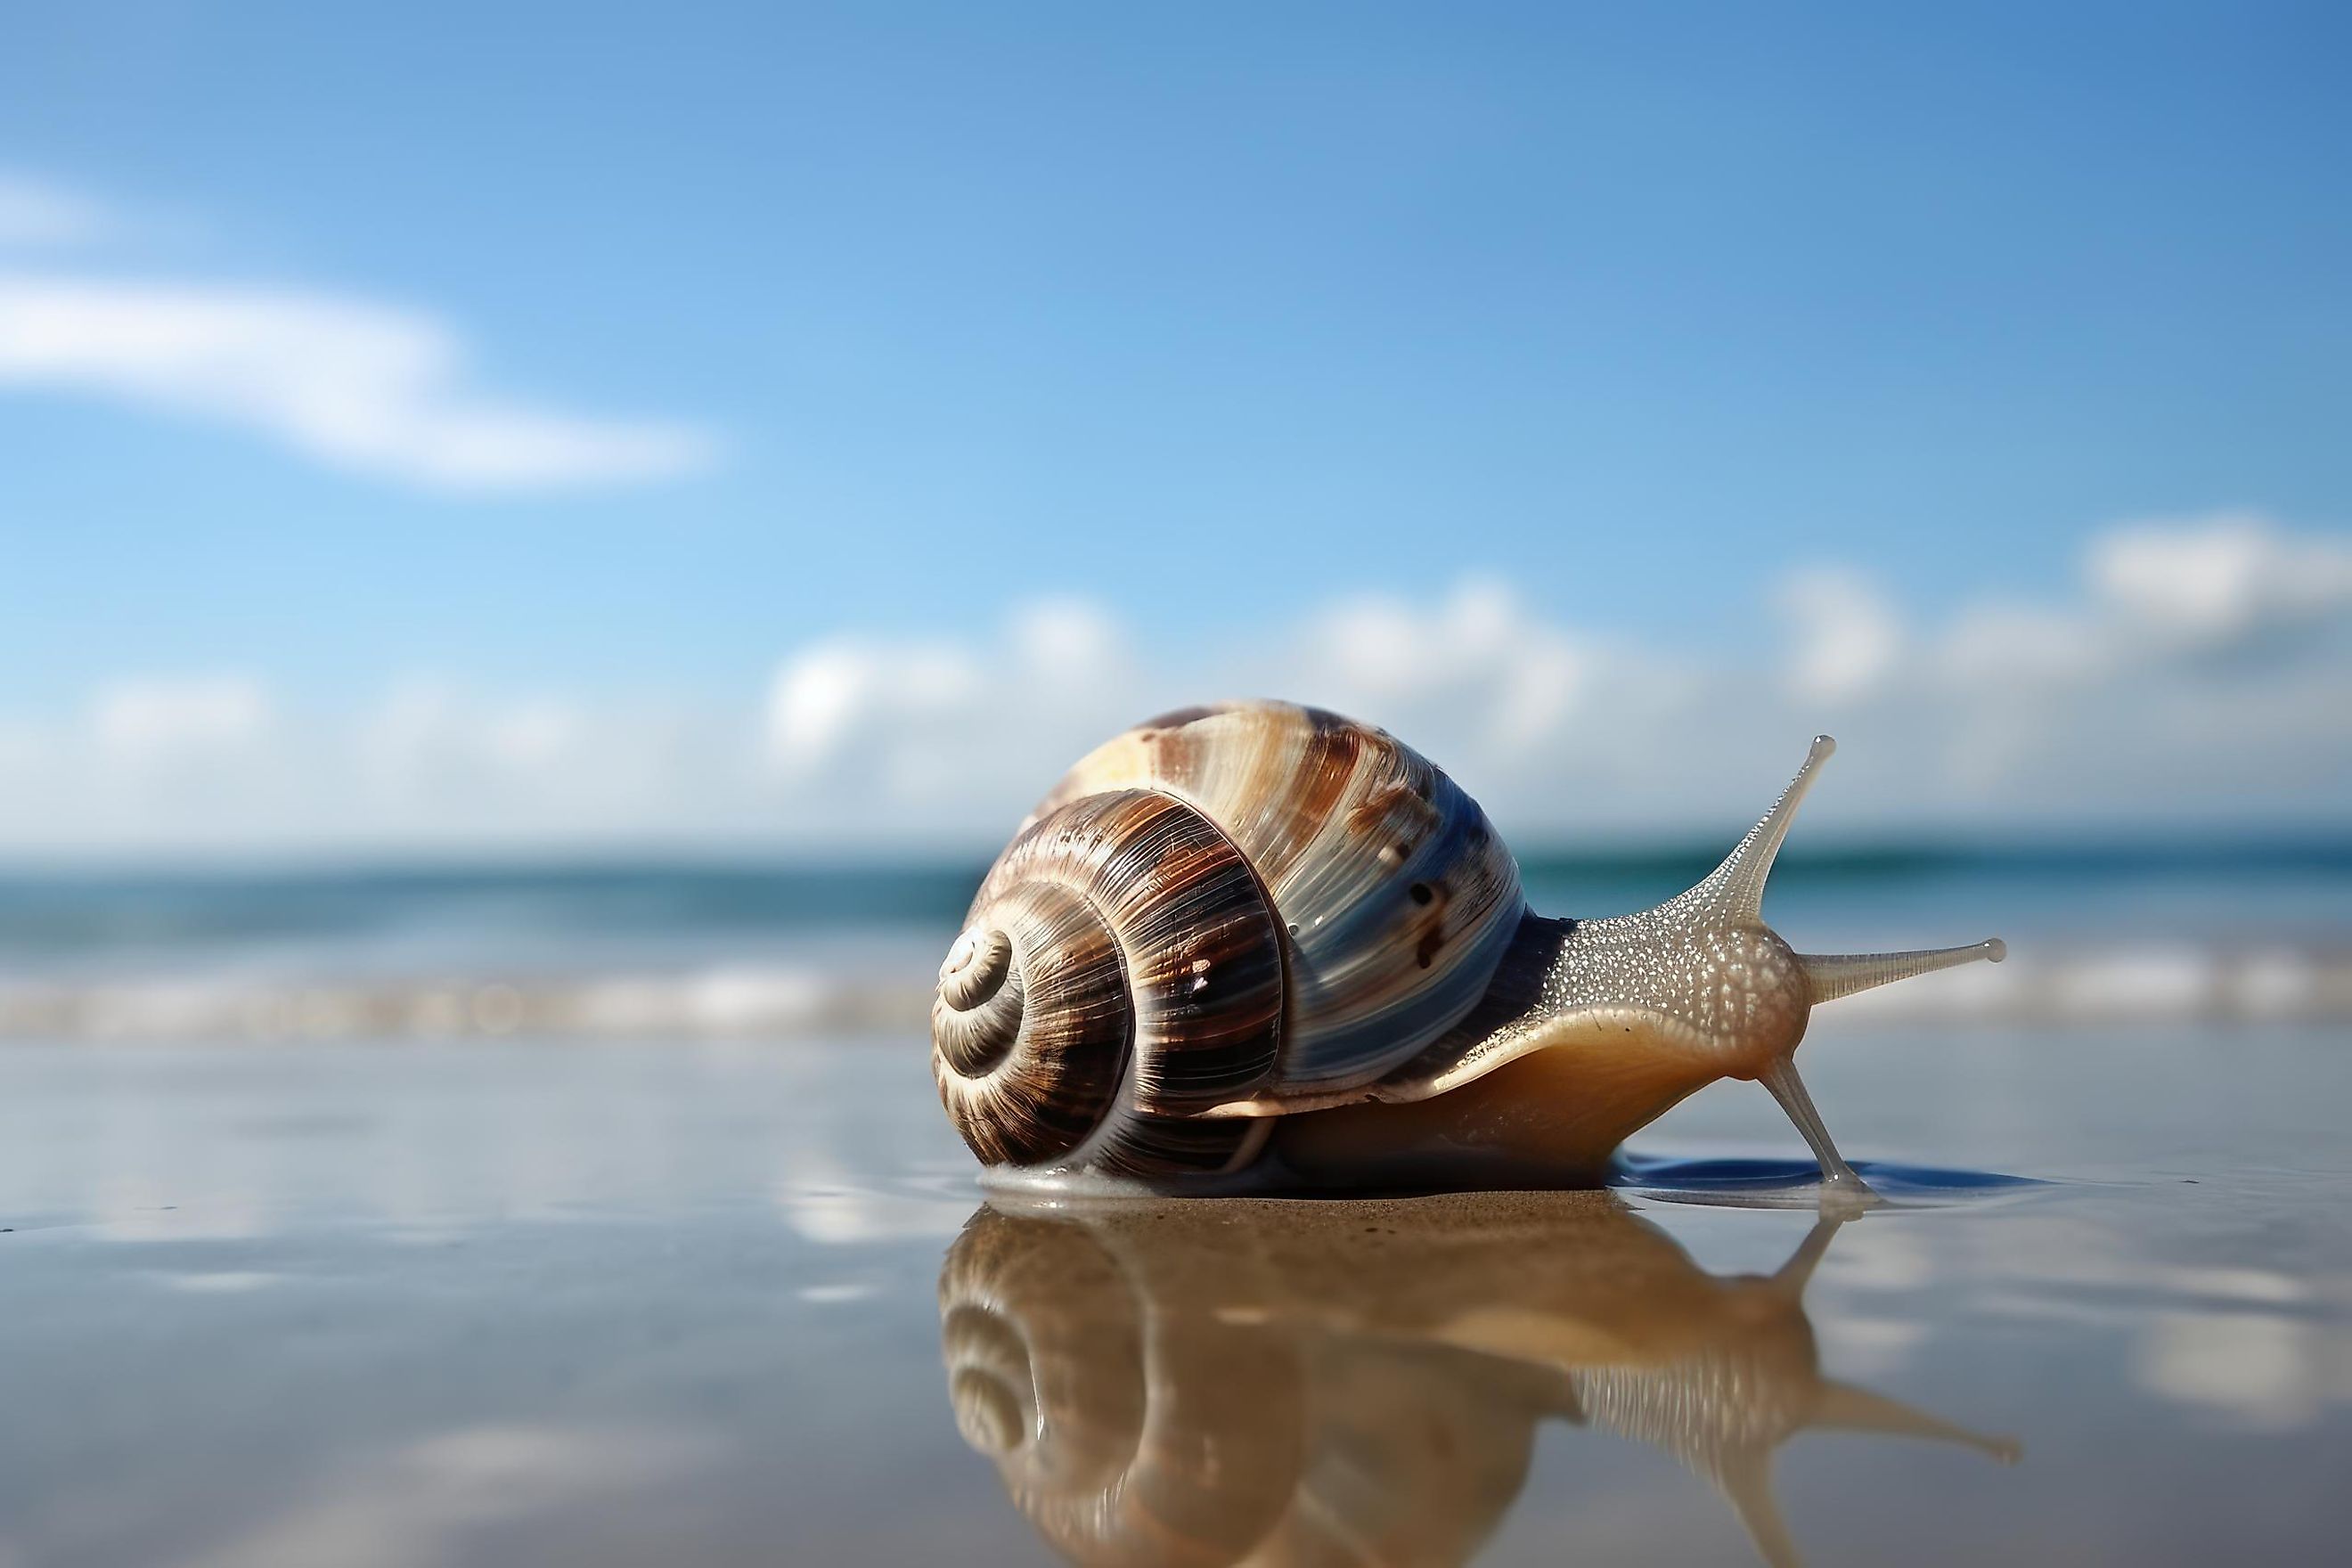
{"points": [[1201, 945], [1204, 952], [1328, 755]]}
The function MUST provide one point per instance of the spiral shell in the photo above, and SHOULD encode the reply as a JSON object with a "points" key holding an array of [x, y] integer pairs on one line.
{"points": [[1250, 901], [1123, 971]]}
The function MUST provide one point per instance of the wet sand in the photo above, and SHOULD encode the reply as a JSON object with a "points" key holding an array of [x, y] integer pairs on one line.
{"points": [[500, 1302]]}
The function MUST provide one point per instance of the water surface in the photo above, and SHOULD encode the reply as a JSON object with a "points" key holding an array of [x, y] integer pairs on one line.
{"points": [[518, 1303]]}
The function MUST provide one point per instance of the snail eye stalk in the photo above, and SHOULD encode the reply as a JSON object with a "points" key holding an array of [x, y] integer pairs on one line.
{"points": [[1830, 975], [1735, 890], [1733, 894]]}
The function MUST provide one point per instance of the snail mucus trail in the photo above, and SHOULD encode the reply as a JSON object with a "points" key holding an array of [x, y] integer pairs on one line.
{"points": [[1256, 946]]}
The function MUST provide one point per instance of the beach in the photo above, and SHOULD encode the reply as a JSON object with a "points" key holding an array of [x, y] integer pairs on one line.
{"points": [[524, 1300], [632, 638]]}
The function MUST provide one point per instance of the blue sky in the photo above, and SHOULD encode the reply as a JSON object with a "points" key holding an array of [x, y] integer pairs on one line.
{"points": [[891, 323]]}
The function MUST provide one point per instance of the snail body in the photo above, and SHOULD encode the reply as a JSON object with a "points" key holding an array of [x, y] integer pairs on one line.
{"points": [[1257, 944]]}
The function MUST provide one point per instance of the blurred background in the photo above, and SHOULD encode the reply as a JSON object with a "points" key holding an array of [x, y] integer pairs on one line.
{"points": [[576, 521]]}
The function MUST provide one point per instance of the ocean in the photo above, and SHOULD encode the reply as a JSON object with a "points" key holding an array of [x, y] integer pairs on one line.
{"points": [[599, 1215], [614, 950]]}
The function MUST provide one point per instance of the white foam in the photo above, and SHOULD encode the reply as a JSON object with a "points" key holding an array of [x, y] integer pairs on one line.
{"points": [[2087, 986]]}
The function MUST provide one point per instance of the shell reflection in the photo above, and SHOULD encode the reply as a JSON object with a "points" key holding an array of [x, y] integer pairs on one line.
{"points": [[1303, 1382]]}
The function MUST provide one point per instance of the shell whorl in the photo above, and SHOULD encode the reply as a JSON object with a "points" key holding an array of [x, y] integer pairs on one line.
{"points": [[977, 1014], [1121, 970], [1256, 902], [976, 966], [1398, 899]]}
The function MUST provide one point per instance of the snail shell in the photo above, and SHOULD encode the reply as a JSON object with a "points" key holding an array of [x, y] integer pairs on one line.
{"points": [[1255, 913], [1251, 900]]}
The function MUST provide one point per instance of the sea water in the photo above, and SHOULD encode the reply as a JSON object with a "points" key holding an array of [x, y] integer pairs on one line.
{"points": [[2258, 931], [282, 1290]]}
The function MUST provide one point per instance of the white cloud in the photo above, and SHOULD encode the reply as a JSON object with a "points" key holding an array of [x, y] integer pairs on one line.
{"points": [[877, 727], [1996, 646], [34, 213], [356, 383], [1068, 641], [2217, 579], [1848, 636], [152, 719], [1480, 653], [435, 759], [831, 698], [2093, 705]]}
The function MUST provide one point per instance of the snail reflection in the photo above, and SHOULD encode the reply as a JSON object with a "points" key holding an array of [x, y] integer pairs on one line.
{"points": [[1266, 1384]]}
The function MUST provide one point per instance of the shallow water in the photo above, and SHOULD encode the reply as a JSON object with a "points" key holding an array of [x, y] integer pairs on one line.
{"points": [[500, 1302]]}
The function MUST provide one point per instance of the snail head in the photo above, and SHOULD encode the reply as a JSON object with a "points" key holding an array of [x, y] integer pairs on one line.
{"points": [[1712, 979]]}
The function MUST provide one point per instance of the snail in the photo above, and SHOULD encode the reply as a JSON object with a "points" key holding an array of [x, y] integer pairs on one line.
{"points": [[1258, 945], [1308, 1382]]}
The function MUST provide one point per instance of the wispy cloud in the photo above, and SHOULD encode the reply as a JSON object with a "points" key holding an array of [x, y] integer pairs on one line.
{"points": [[167, 719], [2231, 577], [1849, 637], [2142, 693], [37, 213], [360, 384]]}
